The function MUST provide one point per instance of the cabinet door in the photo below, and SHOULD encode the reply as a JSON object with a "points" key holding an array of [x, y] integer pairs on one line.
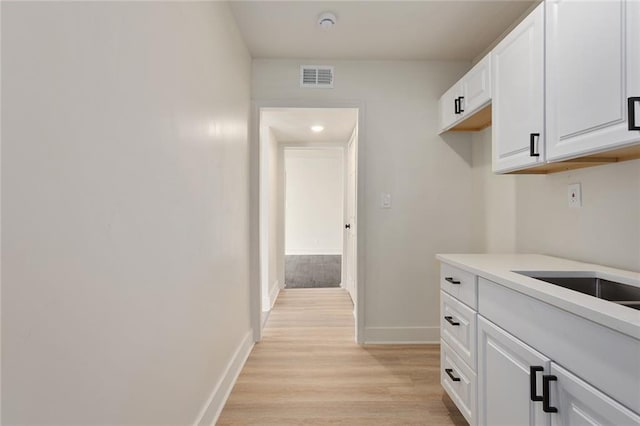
{"points": [[450, 111], [592, 68], [518, 96], [578, 403], [505, 379], [476, 86]]}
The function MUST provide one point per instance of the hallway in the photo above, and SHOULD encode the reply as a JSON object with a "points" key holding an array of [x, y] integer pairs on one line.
{"points": [[308, 370]]}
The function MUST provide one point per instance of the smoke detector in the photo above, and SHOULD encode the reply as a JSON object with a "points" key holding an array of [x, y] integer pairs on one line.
{"points": [[327, 20]]}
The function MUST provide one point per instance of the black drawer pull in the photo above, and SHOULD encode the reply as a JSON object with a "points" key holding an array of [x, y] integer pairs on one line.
{"points": [[452, 280], [546, 404], [532, 379], [451, 321], [532, 145], [460, 99], [456, 105], [631, 103], [449, 372]]}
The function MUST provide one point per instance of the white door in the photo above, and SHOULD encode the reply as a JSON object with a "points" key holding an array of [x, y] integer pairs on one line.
{"points": [[506, 379], [593, 67], [350, 218], [518, 96], [578, 403]]}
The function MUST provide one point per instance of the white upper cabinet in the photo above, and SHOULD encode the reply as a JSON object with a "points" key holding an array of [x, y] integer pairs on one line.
{"points": [[460, 103], [518, 96], [449, 107], [476, 87], [592, 69]]}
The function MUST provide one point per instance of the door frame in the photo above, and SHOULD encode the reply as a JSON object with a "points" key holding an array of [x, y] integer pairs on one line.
{"points": [[255, 289]]}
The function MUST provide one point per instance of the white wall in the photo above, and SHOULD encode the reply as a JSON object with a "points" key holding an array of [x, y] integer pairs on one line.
{"points": [[494, 211], [606, 230], [314, 198], [271, 238], [125, 287], [428, 176], [536, 215]]}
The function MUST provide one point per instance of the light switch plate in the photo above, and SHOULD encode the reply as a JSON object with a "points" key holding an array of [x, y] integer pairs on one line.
{"points": [[575, 195], [385, 201]]}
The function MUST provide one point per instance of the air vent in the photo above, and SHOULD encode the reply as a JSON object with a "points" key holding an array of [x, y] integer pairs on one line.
{"points": [[317, 76]]}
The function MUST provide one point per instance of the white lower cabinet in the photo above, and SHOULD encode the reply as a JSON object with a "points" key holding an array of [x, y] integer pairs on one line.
{"points": [[517, 385], [521, 343], [509, 379], [579, 403], [531, 363]]}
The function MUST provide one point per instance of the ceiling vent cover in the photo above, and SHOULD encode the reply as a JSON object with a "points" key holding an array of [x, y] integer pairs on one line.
{"points": [[316, 76]]}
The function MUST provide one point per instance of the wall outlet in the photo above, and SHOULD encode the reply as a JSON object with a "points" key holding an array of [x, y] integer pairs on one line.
{"points": [[575, 195]]}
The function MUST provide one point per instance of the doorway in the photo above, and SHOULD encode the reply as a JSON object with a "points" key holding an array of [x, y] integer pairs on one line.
{"points": [[307, 221], [314, 216]]}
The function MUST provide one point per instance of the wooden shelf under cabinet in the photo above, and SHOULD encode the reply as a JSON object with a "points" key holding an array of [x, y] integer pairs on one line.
{"points": [[608, 157], [478, 121]]}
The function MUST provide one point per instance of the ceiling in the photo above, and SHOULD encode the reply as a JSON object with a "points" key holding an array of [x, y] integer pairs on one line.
{"points": [[294, 124], [406, 30]]}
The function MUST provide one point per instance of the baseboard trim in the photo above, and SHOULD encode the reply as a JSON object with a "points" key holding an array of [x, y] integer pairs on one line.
{"points": [[401, 335], [263, 319], [212, 409], [273, 294], [314, 252]]}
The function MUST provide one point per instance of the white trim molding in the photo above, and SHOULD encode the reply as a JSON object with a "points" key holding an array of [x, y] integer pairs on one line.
{"points": [[254, 159], [315, 252], [402, 335], [273, 294], [212, 409], [270, 299]]}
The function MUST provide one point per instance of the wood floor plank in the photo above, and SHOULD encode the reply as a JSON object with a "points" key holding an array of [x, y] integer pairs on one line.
{"points": [[308, 370]]}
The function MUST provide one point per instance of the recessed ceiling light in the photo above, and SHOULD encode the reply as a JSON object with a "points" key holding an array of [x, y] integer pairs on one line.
{"points": [[317, 129]]}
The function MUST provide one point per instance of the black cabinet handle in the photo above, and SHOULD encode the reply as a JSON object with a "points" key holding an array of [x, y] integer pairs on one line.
{"points": [[631, 103], [347, 226], [452, 280], [449, 372], [532, 144], [456, 105], [532, 380], [460, 99], [451, 321], [546, 405]]}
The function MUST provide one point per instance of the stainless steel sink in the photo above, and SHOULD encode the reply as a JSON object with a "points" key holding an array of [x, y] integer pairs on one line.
{"points": [[590, 283]]}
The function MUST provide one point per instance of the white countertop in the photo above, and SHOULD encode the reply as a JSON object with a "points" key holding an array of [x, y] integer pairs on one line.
{"points": [[499, 268]]}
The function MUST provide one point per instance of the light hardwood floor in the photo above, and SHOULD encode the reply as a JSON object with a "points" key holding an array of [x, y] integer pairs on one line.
{"points": [[308, 370]]}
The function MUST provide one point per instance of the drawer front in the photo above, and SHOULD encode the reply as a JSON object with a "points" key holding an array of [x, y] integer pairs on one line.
{"points": [[460, 284], [458, 381], [458, 328]]}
